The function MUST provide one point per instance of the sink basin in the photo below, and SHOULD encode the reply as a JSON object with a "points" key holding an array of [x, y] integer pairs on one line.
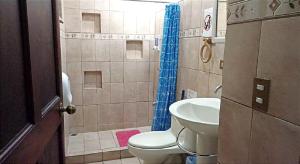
{"points": [[200, 115]]}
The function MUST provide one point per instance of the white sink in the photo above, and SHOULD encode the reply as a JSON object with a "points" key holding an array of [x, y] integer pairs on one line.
{"points": [[200, 115]]}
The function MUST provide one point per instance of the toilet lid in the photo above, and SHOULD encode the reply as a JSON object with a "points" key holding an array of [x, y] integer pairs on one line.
{"points": [[153, 140]]}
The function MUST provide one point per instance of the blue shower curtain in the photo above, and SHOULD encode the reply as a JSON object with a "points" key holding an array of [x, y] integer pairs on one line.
{"points": [[166, 94]]}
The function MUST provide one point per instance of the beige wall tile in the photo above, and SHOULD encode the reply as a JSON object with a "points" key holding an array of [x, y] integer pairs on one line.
{"points": [[142, 113], [115, 5], [240, 61], [72, 20], [202, 82], [234, 132], [87, 4], [76, 90], [151, 91], [153, 55], [117, 93], [104, 93], [89, 66], [117, 112], [117, 71], [90, 97], [196, 13], [73, 50], [142, 91], [152, 24], [101, 4], [130, 112], [103, 115], [117, 50], [279, 61], [273, 140], [130, 92], [143, 23], [104, 67], [129, 125], [71, 4], [218, 54], [130, 71], [145, 51], [63, 54], [130, 22], [76, 119], [102, 50], [116, 24], [182, 14], [74, 72], [187, 14], [88, 50], [195, 80], [90, 118], [183, 52], [105, 18], [214, 81], [142, 71], [151, 108]]}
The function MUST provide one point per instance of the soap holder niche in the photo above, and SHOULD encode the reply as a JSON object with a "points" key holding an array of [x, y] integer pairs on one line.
{"points": [[134, 49], [92, 79], [91, 22]]}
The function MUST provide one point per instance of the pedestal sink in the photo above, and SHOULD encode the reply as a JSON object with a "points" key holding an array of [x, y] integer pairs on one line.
{"points": [[201, 116]]}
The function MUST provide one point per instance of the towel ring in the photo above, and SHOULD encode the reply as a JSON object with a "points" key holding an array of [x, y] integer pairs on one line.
{"points": [[207, 44]]}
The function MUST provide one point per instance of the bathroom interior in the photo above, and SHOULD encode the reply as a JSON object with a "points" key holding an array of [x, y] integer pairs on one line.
{"points": [[162, 82]]}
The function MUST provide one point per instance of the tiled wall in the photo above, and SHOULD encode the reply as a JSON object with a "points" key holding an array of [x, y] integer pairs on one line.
{"points": [[193, 73], [258, 45], [125, 99]]}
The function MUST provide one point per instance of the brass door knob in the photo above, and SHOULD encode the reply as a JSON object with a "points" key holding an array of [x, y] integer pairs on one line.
{"points": [[71, 109]]}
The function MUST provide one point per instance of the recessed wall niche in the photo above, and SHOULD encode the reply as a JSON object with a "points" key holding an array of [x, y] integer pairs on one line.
{"points": [[92, 79], [134, 49], [91, 22]]}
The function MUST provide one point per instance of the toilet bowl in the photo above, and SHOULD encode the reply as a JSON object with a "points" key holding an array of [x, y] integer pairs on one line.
{"points": [[156, 146]]}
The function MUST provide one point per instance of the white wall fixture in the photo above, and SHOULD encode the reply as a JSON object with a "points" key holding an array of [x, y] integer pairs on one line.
{"points": [[209, 23]]}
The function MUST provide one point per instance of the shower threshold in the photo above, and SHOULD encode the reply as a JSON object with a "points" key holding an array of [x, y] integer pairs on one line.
{"points": [[97, 146]]}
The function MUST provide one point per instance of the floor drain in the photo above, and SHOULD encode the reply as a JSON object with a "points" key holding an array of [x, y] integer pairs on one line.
{"points": [[74, 134]]}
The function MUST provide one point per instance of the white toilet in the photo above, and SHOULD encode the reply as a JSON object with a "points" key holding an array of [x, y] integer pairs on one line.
{"points": [[156, 146]]}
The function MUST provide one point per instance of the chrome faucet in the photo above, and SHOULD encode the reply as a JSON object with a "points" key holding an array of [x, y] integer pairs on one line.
{"points": [[218, 88]]}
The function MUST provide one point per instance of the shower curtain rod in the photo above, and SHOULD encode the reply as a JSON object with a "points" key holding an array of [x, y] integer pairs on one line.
{"points": [[148, 1]]}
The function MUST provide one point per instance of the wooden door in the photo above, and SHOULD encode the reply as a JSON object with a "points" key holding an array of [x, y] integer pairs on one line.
{"points": [[31, 126]]}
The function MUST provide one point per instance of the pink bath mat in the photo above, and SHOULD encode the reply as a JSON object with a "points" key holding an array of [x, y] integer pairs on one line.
{"points": [[123, 136]]}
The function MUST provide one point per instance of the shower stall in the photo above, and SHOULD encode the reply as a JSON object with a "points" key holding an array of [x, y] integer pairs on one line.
{"points": [[110, 56]]}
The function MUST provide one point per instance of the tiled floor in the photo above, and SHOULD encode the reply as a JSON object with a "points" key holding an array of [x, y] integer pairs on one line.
{"points": [[121, 161], [97, 146]]}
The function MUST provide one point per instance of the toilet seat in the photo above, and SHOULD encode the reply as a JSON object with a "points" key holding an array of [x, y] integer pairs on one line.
{"points": [[153, 140]]}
